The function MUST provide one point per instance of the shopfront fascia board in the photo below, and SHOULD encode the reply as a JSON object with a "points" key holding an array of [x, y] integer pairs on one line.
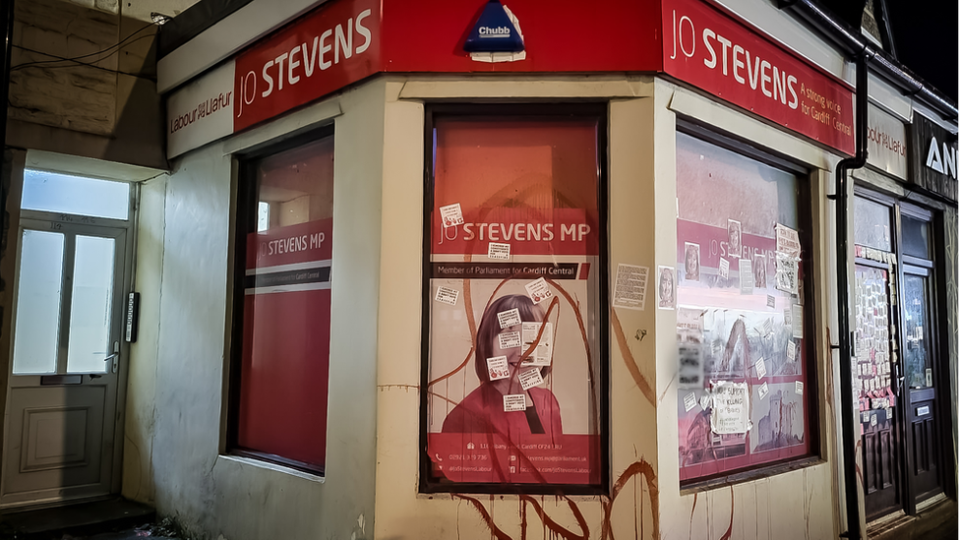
{"points": [[886, 143], [343, 42]]}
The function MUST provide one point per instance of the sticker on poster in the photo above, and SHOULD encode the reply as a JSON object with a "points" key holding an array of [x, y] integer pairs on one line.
{"points": [[690, 345], [734, 238], [873, 419], [771, 302], [788, 241], [796, 320], [689, 401], [530, 378], [787, 270], [509, 318], [538, 290], [514, 402], [761, 368], [509, 340], [666, 287], [544, 352], [499, 252], [760, 271], [498, 368], [746, 276], [451, 215], [929, 377], [724, 268], [799, 388], [763, 390], [731, 408], [791, 350], [446, 295], [630, 289], [691, 261]]}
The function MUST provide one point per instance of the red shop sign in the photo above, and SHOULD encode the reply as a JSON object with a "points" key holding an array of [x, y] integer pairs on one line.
{"points": [[713, 51], [335, 46]]}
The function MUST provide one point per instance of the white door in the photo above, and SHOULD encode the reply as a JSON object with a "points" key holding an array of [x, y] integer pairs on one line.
{"points": [[63, 428]]}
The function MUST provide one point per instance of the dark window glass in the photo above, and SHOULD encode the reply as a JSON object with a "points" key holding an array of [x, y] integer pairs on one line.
{"points": [[871, 224], [916, 237]]}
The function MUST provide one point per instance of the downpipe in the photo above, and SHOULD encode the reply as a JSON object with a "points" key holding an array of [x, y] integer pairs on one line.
{"points": [[852, 497]]}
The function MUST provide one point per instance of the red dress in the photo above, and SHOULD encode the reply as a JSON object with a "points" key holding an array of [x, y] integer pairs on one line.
{"points": [[482, 412]]}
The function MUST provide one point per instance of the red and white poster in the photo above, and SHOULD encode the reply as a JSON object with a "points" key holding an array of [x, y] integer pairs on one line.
{"points": [[286, 349], [715, 52], [514, 374]]}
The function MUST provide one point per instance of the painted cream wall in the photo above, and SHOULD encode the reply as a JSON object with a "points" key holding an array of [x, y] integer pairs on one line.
{"points": [[647, 501], [237, 498], [138, 474]]}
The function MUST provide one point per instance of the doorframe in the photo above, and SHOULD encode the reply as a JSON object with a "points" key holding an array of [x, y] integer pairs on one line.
{"points": [[127, 285], [919, 207]]}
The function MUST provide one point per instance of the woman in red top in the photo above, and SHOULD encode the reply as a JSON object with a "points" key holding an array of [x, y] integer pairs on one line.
{"points": [[483, 410]]}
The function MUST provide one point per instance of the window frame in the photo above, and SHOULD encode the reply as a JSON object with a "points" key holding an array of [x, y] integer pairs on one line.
{"points": [[519, 111], [245, 216], [806, 177]]}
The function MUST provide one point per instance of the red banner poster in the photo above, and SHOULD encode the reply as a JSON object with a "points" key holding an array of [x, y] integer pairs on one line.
{"points": [[514, 377], [286, 340], [713, 51]]}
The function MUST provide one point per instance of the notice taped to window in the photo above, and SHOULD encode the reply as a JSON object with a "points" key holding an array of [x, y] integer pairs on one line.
{"points": [[630, 290], [731, 408]]}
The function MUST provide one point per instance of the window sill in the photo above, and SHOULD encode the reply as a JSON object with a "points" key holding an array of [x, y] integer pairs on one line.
{"points": [[266, 465], [749, 476]]}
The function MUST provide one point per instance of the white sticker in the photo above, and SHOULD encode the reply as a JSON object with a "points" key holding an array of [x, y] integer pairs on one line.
{"points": [[734, 238], [929, 376], [771, 302], [746, 276], [761, 369], [514, 402], [447, 295], [731, 408], [873, 420], [530, 378], [724, 268], [797, 320], [799, 388], [451, 215], [667, 287], [538, 290], [689, 401], [630, 290], [763, 390], [498, 368], [500, 252], [706, 401], [787, 274], [509, 318], [690, 348], [544, 351], [509, 340], [791, 350], [788, 241]]}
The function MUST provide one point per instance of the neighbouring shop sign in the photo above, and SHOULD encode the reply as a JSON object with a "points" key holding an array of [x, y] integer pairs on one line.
{"points": [[201, 111], [933, 158], [886, 142], [717, 53]]}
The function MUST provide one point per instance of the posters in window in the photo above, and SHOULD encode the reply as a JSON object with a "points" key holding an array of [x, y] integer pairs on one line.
{"points": [[536, 421]]}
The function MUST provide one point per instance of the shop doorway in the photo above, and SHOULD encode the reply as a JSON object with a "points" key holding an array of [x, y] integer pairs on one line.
{"points": [[63, 434], [899, 364]]}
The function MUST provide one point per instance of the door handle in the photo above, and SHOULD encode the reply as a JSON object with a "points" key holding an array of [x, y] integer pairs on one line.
{"points": [[111, 357]]}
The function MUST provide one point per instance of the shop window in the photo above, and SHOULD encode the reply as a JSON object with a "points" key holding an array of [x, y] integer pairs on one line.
{"points": [[745, 368], [514, 341], [281, 344]]}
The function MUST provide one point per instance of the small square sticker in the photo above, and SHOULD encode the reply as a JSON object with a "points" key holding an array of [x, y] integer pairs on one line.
{"points": [[446, 295], [514, 402], [451, 215], [509, 318], [509, 340], [799, 388], [771, 301], [724, 268], [499, 252], [761, 369], [530, 378], [689, 401], [498, 368], [763, 390], [538, 290], [791, 350]]}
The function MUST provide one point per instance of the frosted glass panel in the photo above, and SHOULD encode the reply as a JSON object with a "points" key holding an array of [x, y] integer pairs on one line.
{"points": [[54, 192], [91, 309], [38, 303]]}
